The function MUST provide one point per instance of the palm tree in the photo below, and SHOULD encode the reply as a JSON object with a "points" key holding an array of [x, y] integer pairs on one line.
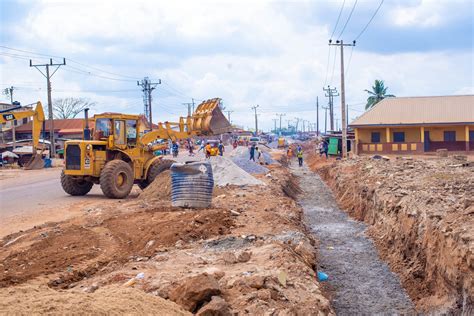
{"points": [[377, 94]]}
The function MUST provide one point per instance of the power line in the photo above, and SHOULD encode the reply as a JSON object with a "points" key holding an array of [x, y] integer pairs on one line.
{"points": [[349, 62], [368, 23], [348, 19], [338, 17], [70, 60]]}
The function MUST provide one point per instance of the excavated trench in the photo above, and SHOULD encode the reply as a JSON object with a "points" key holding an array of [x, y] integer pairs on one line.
{"points": [[359, 282]]}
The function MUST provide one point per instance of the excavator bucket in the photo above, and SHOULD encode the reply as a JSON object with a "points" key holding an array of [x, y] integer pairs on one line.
{"points": [[209, 118], [36, 162]]}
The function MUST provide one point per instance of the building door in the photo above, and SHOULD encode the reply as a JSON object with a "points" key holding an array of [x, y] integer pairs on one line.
{"points": [[427, 141]]}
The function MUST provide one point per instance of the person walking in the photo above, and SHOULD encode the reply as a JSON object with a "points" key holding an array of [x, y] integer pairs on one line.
{"points": [[203, 144], [299, 154], [221, 148], [289, 155], [208, 150], [191, 147], [175, 148], [325, 148], [252, 152]]}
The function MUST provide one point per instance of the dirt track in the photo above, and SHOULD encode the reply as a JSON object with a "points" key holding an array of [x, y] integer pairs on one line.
{"points": [[360, 282]]}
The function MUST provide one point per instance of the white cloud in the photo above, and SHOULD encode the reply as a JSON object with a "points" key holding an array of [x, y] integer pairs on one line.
{"points": [[257, 54], [428, 13]]}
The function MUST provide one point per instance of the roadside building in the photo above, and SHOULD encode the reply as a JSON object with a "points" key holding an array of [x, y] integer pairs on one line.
{"points": [[63, 128], [417, 125]]}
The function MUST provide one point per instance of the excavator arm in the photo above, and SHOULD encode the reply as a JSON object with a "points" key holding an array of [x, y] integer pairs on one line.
{"points": [[38, 119], [208, 119]]}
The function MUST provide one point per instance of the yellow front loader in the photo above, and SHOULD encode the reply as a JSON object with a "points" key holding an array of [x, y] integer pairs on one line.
{"points": [[36, 161], [118, 151]]}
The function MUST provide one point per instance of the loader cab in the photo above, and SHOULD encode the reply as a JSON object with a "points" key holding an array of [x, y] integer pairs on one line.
{"points": [[120, 132]]}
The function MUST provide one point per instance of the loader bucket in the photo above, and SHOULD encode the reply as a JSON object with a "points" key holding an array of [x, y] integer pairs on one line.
{"points": [[36, 162], [209, 118]]}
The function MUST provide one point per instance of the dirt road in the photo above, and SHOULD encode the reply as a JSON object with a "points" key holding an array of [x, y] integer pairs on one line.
{"points": [[361, 283], [32, 197], [26, 190]]}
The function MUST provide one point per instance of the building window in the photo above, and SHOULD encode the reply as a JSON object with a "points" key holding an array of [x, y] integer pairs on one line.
{"points": [[471, 136], [398, 137], [449, 136], [25, 120], [375, 137]]}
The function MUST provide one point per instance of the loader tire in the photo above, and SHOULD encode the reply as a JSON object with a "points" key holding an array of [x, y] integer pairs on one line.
{"points": [[116, 179], [75, 187], [155, 169]]}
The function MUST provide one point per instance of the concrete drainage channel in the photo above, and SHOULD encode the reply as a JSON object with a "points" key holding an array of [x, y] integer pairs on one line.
{"points": [[359, 282]]}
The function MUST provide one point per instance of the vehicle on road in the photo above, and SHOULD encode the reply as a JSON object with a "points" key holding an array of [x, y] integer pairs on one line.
{"points": [[119, 153]]}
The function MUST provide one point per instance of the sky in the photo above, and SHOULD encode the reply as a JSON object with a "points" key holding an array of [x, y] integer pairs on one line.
{"points": [[273, 54]]}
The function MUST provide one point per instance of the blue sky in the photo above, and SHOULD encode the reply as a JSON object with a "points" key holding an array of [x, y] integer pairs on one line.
{"points": [[271, 53]]}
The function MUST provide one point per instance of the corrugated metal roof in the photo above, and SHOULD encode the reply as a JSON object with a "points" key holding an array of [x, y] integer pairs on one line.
{"points": [[58, 125], [419, 110]]}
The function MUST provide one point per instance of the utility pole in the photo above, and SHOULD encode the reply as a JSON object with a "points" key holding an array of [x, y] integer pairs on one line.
{"points": [[343, 96], [317, 116], [228, 115], [297, 122], [331, 93], [147, 88], [48, 76], [9, 91], [256, 120], [347, 115], [325, 119], [280, 115], [188, 104], [275, 124]]}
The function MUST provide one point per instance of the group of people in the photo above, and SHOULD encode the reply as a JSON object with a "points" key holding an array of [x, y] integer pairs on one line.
{"points": [[299, 155], [258, 152]]}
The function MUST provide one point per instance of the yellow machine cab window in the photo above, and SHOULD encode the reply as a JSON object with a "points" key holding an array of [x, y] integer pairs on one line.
{"points": [[103, 128], [119, 132]]}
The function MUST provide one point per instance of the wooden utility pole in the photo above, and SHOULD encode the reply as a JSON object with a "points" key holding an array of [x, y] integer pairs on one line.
{"points": [[343, 96], [280, 115], [147, 88], [256, 119], [228, 115], [48, 76], [317, 116], [331, 93]]}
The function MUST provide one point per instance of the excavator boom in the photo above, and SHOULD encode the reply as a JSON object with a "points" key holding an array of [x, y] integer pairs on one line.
{"points": [[36, 161]]}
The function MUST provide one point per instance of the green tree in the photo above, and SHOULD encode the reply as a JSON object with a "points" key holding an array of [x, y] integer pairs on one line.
{"points": [[378, 93]]}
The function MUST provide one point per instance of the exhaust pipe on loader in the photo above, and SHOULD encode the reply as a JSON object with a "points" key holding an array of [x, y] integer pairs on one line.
{"points": [[87, 131]]}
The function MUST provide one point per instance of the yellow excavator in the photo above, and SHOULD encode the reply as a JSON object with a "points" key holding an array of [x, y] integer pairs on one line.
{"points": [[119, 150], [36, 161]]}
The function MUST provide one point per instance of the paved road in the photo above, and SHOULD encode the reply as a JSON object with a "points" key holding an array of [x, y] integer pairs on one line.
{"points": [[23, 191]]}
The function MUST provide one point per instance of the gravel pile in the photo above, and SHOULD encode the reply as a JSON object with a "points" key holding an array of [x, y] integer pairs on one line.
{"points": [[249, 165], [226, 172], [240, 156]]}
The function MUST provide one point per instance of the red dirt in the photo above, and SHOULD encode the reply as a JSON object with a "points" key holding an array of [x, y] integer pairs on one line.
{"points": [[422, 223]]}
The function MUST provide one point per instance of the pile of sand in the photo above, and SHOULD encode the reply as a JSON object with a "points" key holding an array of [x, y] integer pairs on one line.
{"points": [[117, 300], [160, 188], [226, 172]]}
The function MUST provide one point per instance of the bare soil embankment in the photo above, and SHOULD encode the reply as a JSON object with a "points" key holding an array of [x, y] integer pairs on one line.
{"points": [[421, 214], [248, 253]]}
